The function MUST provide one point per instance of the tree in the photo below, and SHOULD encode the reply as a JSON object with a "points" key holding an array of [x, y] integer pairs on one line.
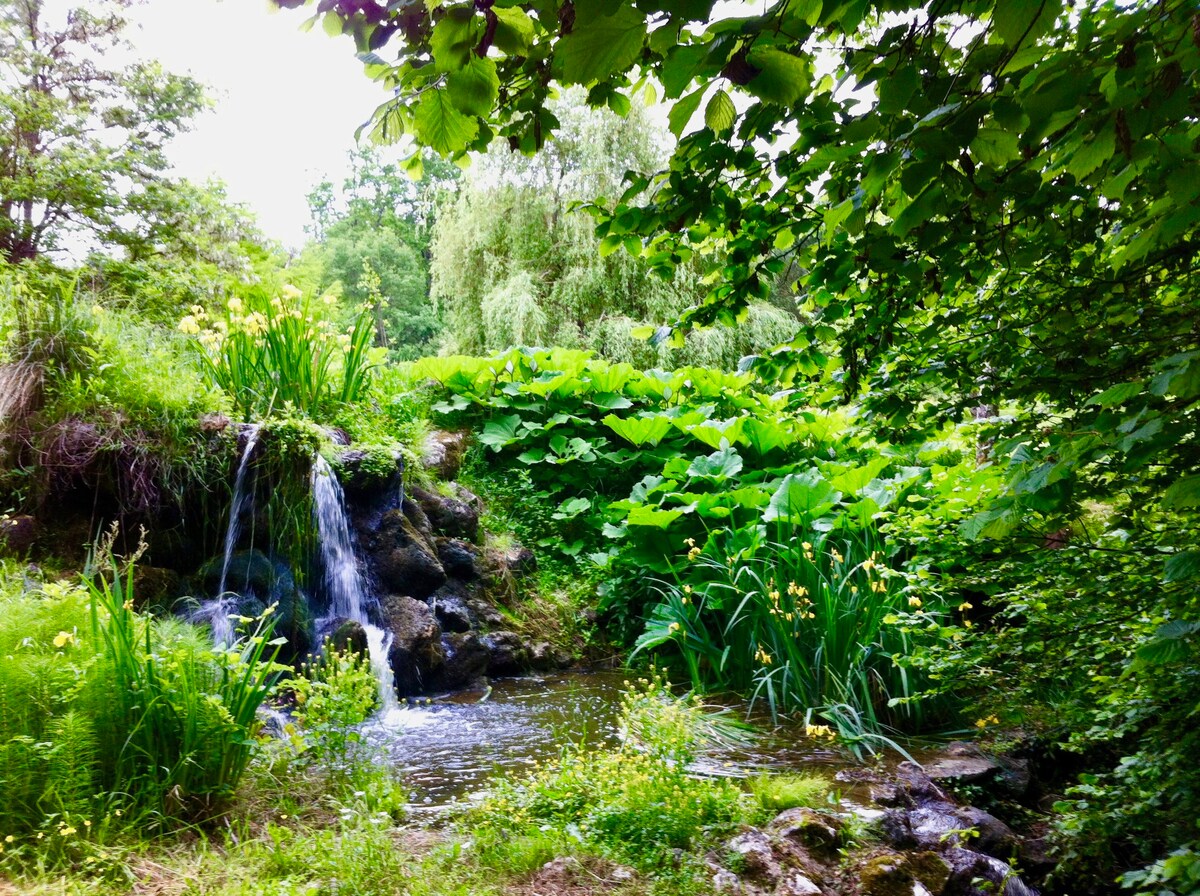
{"points": [[371, 243], [513, 261], [81, 145]]}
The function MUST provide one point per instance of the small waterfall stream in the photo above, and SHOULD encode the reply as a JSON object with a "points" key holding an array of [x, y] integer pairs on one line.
{"points": [[216, 611], [347, 596]]}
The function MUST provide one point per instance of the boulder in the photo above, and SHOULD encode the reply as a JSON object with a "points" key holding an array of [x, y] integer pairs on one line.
{"points": [[452, 612], [17, 533], [750, 854], [156, 587], [900, 874], [348, 635], [466, 660], [442, 453], [507, 653], [452, 517], [992, 836], [404, 558], [808, 827], [416, 654], [962, 763], [460, 559]]}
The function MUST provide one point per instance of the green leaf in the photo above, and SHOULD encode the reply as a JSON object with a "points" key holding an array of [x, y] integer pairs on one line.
{"points": [[641, 431], [801, 497], [683, 110], [514, 31], [1182, 566], [1184, 493], [501, 432], [720, 113], [643, 515], [442, 127], [782, 78], [454, 37], [1093, 154], [601, 43], [720, 465], [1116, 395], [475, 87], [1023, 21], [995, 147], [897, 88]]}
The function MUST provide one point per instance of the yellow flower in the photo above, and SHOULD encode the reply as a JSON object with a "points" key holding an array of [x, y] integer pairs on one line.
{"points": [[807, 545], [687, 589], [235, 305], [66, 831], [189, 325], [837, 558], [9, 838], [694, 553], [964, 606], [674, 627], [818, 731], [329, 300], [63, 638], [290, 292], [854, 589], [914, 602]]}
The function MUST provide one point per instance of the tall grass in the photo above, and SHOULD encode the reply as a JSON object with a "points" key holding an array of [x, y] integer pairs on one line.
{"points": [[800, 625], [269, 354]]}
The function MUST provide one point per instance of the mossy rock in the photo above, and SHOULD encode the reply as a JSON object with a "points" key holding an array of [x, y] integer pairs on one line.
{"points": [[248, 571]]}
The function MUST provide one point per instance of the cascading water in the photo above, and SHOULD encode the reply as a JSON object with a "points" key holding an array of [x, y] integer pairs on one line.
{"points": [[347, 596], [216, 612]]}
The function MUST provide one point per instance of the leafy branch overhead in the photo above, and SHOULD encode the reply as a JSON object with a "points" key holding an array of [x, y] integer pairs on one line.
{"points": [[985, 202]]}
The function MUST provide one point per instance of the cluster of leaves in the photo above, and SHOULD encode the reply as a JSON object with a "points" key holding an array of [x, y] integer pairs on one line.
{"points": [[334, 693]]}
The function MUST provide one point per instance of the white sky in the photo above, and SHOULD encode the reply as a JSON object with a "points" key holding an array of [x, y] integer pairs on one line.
{"points": [[286, 103]]}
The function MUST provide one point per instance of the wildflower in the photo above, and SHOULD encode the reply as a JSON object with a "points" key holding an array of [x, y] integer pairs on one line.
{"points": [[854, 589], [868, 564], [694, 553], [914, 602], [807, 545], [774, 595], [674, 627], [687, 589], [189, 325], [63, 638], [329, 300], [290, 292], [235, 305], [66, 831], [818, 731], [964, 606], [9, 838], [837, 558], [128, 605]]}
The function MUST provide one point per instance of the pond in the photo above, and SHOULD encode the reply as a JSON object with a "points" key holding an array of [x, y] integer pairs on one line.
{"points": [[453, 747]]}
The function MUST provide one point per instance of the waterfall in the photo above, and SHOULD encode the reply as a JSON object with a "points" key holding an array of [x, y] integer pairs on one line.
{"points": [[215, 612], [347, 595], [243, 498]]}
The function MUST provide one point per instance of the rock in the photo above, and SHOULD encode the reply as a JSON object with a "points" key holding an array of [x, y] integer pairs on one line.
{"points": [[363, 471], [349, 635], [507, 653], [935, 825], [519, 561], [962, 763], [213, 423], [466, 659], [622, 875], [914, 785], [897, 874], [156, 587], [460, 559], [794, 883], [545, 657], [896, 829], [449, 516], [808, 827], [993, 836], [442, 453], [751, 855], [17, 533], [486, 613], [725, 881], [452, 612], [404, 559], [1034, 855], [416, 654], [248, 571]]}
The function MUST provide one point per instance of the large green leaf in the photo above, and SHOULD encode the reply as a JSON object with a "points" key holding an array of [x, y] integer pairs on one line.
{"points": [[514, 30], [501, 432], [720, 113], [441, 126], [782, 78], [641, 431], [801, 497], [720, 465], [602, 42], [474, 87], [454, 37], [1183, 566]]}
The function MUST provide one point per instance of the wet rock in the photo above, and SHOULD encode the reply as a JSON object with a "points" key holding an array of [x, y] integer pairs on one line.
{"points": [[362, 471], [213, 423], [962, 763], [751, 856], [404, 559], [896, 829], [519, 561], [487, 614], [1034, 855], [416, 654], [914, 785], [545, 657], [17, 533], [248, 571], [808, 827], [449, 516], [349, 635], [900, 874], [442, 453], [466, 659], [460, 559], [452, 612], [936, 824], [993, 836], [507, 653]]}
